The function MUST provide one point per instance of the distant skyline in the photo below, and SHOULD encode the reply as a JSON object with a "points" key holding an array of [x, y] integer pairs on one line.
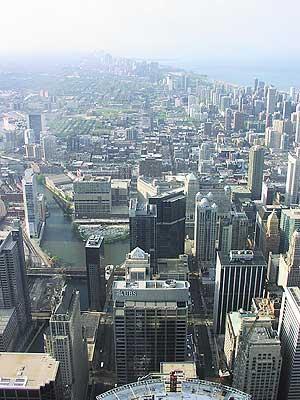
{"points": [[257, 34]]}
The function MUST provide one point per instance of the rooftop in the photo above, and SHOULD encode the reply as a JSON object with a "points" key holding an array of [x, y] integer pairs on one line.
{"points": [[264, 335], [236, 318], [94, 241], [256, 258], [26, 370], [138, 254], [190, 389], [168, 284], [188, 368], [65, 300]]}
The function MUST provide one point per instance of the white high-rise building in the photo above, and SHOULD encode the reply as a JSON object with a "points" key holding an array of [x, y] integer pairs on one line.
{"points": [[297, 133], [293, 179], [204, 156], [205, 230], [65, 342], [191, 188], [258, 362], [289, 333], [29, 136], [137, 265], [289, 271], [32, 219]]}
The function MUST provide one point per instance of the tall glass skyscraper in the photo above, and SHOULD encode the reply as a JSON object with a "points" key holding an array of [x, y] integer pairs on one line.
{"points": [[13, 284], [95, 268]]}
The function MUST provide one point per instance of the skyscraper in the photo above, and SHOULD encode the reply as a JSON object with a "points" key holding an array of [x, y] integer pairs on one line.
{"points": [[271, 100], [35, 122], [293, 179], [289, 333], [48, 142], [170, 224], [255, 171], [239, 230], [13, 284], [258, 362], [289, 222], [204, 155], [228, 119], [150, 325], [95, 268], [191, 188], [287, 109], [142, 228], [240, 277], [297, 133], [225, 235], [289, 271], [271, 236], [32, 221], [205, 231], [65, 342], [238, 120]]}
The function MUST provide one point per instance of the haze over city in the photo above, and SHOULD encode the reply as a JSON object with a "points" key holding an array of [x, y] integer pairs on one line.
{"points": [[210, 35]]}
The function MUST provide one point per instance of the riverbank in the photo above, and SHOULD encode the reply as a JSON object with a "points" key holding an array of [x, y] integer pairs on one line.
{"points": [[61, 241]]}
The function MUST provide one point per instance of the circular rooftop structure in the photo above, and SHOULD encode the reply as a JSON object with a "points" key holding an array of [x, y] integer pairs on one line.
{"points": [[190, 389]]}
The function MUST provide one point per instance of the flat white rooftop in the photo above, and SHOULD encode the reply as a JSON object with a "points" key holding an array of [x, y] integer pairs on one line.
{"points": [[27, 370]]}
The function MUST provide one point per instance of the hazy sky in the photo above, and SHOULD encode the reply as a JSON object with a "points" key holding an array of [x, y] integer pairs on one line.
{"points": [[194, 29]]}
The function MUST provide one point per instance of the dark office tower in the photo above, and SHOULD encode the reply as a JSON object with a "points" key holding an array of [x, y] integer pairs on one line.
{"points": [[271, 100], [240, 277], [239, 230], [13, 283], [142, 228], [170, 224], [287, 109], [207, 128], [255, 171], [238, 121], [228, 119], [95, 268], [255, 84], [150, 325], [35, 122]]}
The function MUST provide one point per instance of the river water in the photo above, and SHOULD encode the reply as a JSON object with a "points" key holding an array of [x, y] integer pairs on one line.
{"points": [[61, 240]]}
